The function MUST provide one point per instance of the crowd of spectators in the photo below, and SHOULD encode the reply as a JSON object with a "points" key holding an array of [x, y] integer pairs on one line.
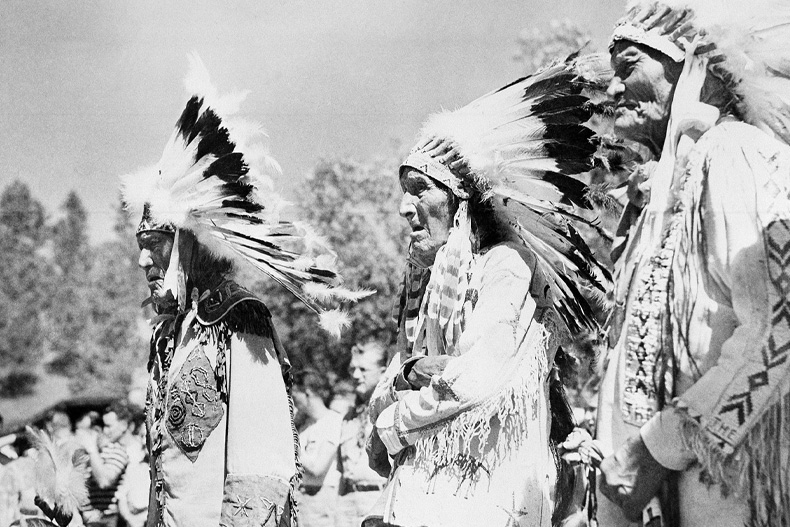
{"points": [[338, 487], [106, 447]]}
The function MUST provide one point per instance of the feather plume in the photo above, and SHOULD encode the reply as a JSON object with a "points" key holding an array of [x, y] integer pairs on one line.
{"points": [[323, 293], [334, 322], [58, 481]]}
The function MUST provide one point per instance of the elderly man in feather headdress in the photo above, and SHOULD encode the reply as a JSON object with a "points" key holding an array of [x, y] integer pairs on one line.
{"points": [[694, 415], [471, 405], [220, 423]]}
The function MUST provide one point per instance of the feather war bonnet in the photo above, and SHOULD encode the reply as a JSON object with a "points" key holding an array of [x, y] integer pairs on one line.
{"points": [[214, 179]]}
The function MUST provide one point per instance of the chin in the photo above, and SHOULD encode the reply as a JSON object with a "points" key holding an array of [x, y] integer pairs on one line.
{"points": [[626, 128]]}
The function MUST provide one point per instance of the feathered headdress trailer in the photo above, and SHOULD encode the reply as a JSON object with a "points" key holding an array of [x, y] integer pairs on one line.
{"points": [[746, 45], [214, 180], [517, 150]]}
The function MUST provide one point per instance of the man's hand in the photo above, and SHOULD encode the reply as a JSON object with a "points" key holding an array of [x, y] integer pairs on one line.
{"points": [[421, 371], [631, 477], [580, 447]]}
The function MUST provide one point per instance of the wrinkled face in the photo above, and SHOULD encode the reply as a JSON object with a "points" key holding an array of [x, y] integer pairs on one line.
{"points": [[114, 427], [366, 369], [429, 208], [642, 88], [155, 248]]}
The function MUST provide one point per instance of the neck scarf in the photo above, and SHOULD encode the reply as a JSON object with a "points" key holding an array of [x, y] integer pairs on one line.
{"points": [[431, 301]]}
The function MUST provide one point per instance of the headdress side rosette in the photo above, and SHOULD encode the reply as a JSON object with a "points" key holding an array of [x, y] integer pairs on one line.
{"points": [[214, 179]]}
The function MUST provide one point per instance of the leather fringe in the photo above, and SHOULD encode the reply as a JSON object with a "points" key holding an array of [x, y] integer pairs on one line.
{"points": [[758, 469]]}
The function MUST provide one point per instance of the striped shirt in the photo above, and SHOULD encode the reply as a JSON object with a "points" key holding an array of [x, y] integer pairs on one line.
{"points": [[114, 458]]}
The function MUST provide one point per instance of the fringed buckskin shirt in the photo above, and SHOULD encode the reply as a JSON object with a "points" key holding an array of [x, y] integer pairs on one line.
{"points": [[473, 447], [219, 418], [701, 335]]}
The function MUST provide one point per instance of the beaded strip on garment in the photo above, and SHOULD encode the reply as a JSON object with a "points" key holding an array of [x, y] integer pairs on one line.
{"points": [[648, 335]]}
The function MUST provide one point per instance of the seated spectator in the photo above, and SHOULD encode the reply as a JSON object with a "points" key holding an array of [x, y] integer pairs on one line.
{"points": [[87, 423], [58, 426]]}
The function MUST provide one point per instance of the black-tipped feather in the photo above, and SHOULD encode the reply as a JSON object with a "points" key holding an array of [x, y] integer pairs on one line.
{"points": [[227, 167], [575, 191], [186, 123]]}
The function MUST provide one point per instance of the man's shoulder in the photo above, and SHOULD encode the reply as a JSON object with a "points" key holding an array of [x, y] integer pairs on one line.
{"points": [[746, 161], [733, 134], [508, 256], [237, 307]]}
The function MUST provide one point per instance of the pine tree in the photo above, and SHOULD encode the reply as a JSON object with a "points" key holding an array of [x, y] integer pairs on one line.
{"points": [[68, 317], [115, 342], [24, 288]]}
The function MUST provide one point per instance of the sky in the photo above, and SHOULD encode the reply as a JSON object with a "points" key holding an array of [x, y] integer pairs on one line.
{"points": [[91, 89]]}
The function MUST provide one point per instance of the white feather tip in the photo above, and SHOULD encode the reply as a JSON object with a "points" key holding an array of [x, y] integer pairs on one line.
{"points": [[325, 293], [334, 322]]}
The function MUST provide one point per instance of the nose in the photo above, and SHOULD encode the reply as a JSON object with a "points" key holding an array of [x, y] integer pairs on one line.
{"points": [[145, 260], [407, 208], [616, 88]]}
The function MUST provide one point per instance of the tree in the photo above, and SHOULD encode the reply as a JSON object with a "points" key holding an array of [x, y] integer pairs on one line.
{"points": [[67, 319], [354, 206], [115, 337], [24, 288], [539, 47]]}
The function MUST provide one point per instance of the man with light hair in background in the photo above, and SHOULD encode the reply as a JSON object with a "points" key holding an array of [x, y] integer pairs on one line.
{"points": [[360, 486]]}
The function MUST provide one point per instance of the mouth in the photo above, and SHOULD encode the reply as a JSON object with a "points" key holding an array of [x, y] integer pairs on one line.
{"points": [[416, 230]]}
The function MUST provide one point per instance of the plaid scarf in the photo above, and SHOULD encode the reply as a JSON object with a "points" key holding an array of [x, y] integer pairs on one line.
{"points": [[412, 290], [432, 301]]}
